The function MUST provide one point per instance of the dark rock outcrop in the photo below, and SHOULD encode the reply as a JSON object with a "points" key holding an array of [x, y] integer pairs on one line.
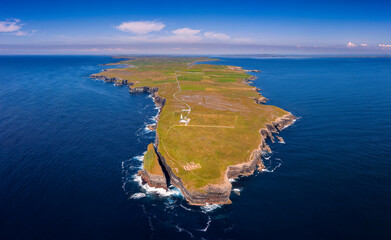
{"points": [[105, 78], [257, 71], [261, 100], [117, 81], [283, 122], [275, 127], [271, 128], [159, 101], [143, 89], [280, 139], [152, 127], [250, 79], [157, 181]]}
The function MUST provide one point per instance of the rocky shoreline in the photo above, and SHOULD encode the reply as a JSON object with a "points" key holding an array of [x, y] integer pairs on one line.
{"points": [[152, 180], [250, 80], [115, 80]]}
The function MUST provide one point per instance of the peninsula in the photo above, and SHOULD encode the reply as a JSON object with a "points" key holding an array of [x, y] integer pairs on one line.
{"points": [[212, 124]]}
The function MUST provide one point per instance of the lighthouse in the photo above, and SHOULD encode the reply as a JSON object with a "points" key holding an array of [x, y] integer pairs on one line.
{"points": [[184, 120]]}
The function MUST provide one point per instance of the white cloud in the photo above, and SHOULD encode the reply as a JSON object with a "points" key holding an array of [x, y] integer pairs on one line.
{"points": [[350, 44], [21, 33], [385, 45], [13, 27], [10, 26], [364, 45], [185, 32], [217, 36], [182, 35], [140, 27]]}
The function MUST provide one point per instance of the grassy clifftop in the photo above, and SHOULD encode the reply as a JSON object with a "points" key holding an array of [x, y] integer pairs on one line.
{"points": [[223, 118], [151, 162]]}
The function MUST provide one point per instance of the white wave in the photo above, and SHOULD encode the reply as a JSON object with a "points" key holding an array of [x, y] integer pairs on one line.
{"points": [[210, 207], [237, 191], [138, 195], [170, 204], [129, 176], [271, 170], [140, 157], [149, 218], [187, 209], [129, 165], [172, 191], [146, 129], [154, 118], [231, 180], [207, 225]]}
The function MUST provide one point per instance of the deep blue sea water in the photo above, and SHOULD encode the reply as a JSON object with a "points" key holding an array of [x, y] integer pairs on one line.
{"points": [[70, 147]]}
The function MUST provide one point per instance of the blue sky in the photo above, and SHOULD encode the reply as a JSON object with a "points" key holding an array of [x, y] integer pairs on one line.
{"points": [[195, 27]]}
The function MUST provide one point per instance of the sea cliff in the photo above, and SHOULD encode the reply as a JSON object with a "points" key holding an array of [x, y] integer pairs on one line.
{"points": [[212, 126], [152, 173]]}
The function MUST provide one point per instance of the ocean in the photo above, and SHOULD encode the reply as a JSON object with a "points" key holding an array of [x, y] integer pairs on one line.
{"points": [[70, 148]]}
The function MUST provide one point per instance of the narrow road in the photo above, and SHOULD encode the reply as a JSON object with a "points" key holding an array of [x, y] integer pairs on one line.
{"points": [[179, 90]]}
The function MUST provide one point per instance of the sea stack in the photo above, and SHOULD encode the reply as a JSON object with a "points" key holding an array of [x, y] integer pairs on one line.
{"points": [[152, 173]]}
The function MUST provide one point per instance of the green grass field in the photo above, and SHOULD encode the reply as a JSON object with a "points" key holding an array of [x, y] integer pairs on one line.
{"points": [[224, 120]]}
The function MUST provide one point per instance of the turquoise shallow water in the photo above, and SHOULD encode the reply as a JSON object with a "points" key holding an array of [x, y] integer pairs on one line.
{"points": [[70, 147]]}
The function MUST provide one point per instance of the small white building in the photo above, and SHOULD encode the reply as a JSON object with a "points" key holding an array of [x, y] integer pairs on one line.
{"points": [[184, 120]]}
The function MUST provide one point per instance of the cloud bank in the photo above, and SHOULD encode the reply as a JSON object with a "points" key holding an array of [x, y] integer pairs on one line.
{"points": [[140, 27], [10, 26], [185, 32], [180, 35], [217, 36]]}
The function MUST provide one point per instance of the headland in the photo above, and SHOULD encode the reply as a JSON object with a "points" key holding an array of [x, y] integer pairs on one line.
{"points": [[212, 124]]}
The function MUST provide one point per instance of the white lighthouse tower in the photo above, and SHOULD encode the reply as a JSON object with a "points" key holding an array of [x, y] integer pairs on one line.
{"points": [[184, 120]]}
